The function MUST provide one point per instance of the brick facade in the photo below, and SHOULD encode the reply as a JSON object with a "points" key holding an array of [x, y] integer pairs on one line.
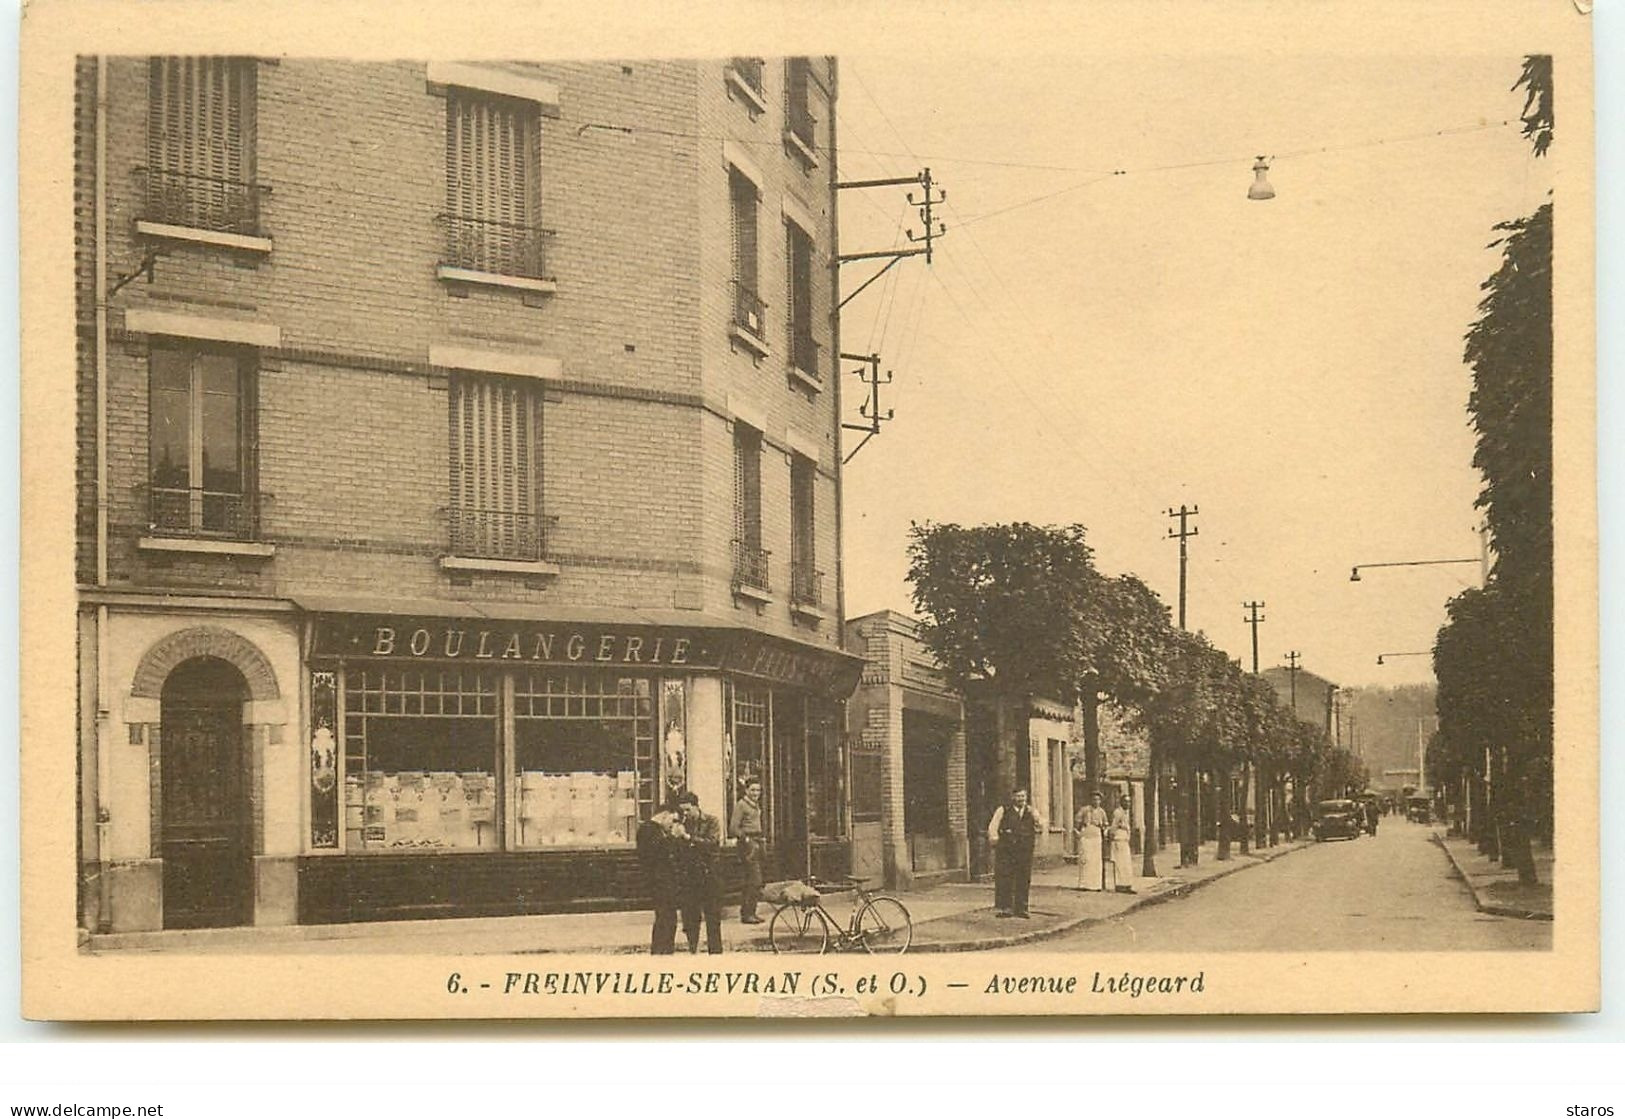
{"points": [[356, 336]]}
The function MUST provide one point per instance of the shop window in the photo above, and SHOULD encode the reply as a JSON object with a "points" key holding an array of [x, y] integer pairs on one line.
{"points": [[1060, 776], [493, 173], [749, 312], [751, 712], [421, 750], [200, 145], [867, 797], [495, 468], [826, 787], [584, 755], [200, 441]]}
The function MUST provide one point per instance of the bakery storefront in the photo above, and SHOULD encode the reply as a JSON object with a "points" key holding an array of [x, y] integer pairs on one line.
{"points": [[475, 766]]}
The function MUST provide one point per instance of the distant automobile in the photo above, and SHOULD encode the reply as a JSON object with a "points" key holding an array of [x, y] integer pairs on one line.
{"points": [[1419, 809], [1334, 818]]}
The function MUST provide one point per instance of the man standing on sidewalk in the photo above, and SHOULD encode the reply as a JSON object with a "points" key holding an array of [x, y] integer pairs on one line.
{"points": [[701, 888], [1013, 831], [658, 841], [746, 825]]}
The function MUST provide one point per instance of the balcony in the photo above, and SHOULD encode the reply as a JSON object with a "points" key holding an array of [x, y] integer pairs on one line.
{"points": [[496, 534], [804, 359], [806, 590], [751, 572], [182, 206], [749, 324], [217, 522], [500, 253]]}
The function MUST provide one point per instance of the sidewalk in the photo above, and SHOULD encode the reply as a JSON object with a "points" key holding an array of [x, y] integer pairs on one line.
{"points": [[1495, 888], [953, 917]]}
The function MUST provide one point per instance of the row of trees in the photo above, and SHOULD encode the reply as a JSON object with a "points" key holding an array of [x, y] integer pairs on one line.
{"points": [[1015, 611], [1492, 753]]}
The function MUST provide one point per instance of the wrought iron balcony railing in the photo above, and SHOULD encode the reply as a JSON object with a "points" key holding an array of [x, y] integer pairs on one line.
{"points": [[201, 201], [496, 534], [499, 247], [750, 313], [200, 512], [750, 566], [749, 71], [806, 584], [804, 352]]}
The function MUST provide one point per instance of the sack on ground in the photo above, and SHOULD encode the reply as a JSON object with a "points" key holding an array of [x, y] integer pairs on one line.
{"points": [[790, 892]]}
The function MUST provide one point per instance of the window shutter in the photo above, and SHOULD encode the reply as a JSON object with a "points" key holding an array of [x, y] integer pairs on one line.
{"points": [[493, 151], [495, 453]]}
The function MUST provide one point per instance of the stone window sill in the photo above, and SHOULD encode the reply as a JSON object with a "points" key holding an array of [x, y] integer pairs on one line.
{"points": [[455, 275], [749, 340], [808, 611], [756, 100], [239, 241], [806, 380], [509, 567], [799, 146], [202, 546], [754, 594]]}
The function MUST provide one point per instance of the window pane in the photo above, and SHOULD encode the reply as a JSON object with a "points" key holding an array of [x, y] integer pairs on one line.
{"points": [[170, 438], [421, 784], [222, 442]]}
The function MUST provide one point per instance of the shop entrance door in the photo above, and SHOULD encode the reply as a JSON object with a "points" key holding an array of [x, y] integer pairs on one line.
{"points": [[789, 809], [926, 740], [204, 811]]}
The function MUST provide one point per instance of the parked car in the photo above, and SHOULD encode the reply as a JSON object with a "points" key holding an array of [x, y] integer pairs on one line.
{"points": [[1334, 818], [1419, 809]]}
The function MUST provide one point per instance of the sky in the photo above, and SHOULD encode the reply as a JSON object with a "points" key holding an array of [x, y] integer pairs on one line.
{"points": [[1096, 348]]}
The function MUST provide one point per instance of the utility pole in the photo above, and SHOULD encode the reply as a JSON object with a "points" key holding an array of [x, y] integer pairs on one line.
{"points": [[1182, 535], [1190, 825], [1250, 790], [1293, 657], [1253, 618]]}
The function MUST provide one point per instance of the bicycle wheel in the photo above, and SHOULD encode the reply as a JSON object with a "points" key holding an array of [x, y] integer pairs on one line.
{"points": [[884, 926], [798, 930]]}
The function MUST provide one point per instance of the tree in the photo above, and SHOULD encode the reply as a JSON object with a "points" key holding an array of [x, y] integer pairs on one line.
{"points": [[1498, 736], [998, 606], [1123, 636]]}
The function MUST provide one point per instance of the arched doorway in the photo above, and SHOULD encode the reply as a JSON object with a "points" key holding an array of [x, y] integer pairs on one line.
{"points": [[204, 796]]}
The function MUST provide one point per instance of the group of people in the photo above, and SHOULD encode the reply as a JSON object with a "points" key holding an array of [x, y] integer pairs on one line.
{"points": [[680, 849], [1103, 846]]}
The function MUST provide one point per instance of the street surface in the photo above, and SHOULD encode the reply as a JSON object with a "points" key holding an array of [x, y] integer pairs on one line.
{"points": [[1392, 891]]}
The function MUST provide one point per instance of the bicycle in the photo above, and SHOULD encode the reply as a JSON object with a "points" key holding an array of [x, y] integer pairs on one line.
{"points": [[879, 924]]}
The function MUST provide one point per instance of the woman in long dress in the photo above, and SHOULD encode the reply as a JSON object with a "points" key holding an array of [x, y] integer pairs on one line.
{"points": [[1122, 856], [1091, 824]]}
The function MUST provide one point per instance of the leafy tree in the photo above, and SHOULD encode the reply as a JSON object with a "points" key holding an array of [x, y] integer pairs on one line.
{"points": [[1123, 635], [997, 606]]}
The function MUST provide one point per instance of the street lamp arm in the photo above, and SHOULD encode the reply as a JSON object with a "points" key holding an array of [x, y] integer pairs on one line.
{"points": [[1389, 656], [1354, 573]]}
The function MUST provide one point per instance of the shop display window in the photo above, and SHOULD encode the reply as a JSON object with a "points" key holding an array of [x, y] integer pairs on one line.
{"points": [[421, 750], [585, 758], [751, 712]]}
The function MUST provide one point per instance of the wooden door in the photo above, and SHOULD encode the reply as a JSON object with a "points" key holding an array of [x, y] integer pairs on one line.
{"points": [[206, 855]]}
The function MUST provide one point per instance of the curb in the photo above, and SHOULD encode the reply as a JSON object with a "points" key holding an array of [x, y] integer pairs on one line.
{"points": [[1179, 891], [1495, 909]]}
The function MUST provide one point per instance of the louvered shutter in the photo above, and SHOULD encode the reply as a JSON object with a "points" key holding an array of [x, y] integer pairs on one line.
{"points": [[493, 155], [200, 142], [495, 456]]}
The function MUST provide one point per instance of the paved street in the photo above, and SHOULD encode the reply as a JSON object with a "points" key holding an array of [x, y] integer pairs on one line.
{"points": [[1394, 891]]}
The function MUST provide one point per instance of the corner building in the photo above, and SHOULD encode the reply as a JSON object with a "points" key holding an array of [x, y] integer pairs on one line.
{"points": [[458, 476]]}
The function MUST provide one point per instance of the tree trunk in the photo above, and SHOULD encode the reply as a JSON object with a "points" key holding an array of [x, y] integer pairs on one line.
{"points": [[1153, 830], [1091, 742], [1189, 823], [1012, 738], [1241, 809], [1261, 817], [1223, 778], [1276, 808]]}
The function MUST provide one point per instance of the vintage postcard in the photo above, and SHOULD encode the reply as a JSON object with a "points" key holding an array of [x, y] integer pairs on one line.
{"points": [[816, 510]]}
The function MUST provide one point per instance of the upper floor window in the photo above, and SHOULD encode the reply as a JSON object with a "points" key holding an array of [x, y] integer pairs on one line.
{"points": [[746, 76], [200, 144], [201, 441], [799, 268], [750, 560], [749, 312], [798, 117], [493, 184], [496, 439], [806, 581]]}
